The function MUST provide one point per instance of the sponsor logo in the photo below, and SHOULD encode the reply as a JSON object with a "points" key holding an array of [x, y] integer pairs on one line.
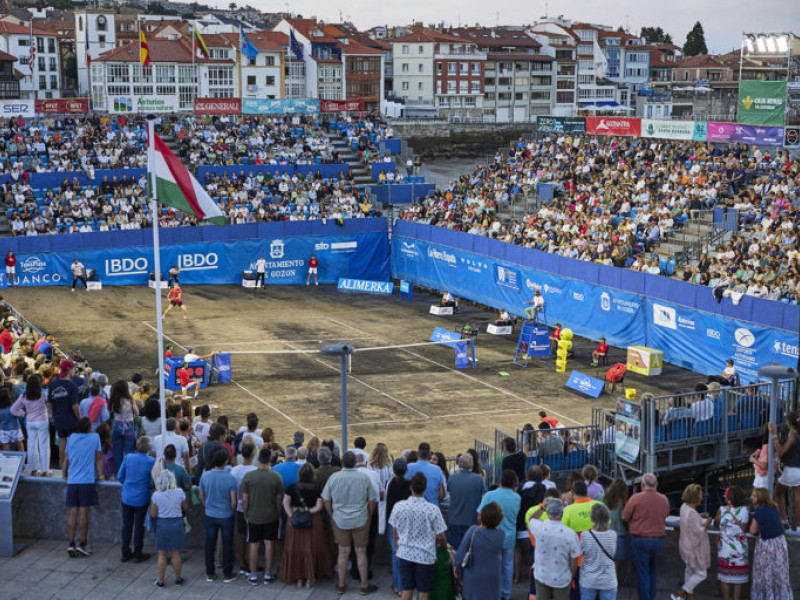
{"points": [[276, 249], [409, 249], [612, 124], [126, 266], [713, 334], [33, 264], [533, 286], [442, 255], [198, 261], [507, 277], [322, 246], [343, 246], [577, 296], [369, 287], [665, 316], [780, 347], [744, 337], [605, 301], [21, 108]]}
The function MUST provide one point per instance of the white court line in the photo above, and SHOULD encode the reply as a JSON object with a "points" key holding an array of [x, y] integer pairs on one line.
{"points": [[240, 386], [470, 414], [362, 382], [461, 373], [274, 342]]}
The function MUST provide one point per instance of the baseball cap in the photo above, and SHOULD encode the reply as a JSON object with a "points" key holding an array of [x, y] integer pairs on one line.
{"points": [[65, 366]]}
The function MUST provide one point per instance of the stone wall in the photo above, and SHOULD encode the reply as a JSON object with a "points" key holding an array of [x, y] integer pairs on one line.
{"points": [[439, 139]]}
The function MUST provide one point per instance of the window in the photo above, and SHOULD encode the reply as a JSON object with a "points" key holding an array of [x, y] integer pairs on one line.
{"points": [[451, 68], [22, 41], [118, 73], [565, 97], [270, 80], [419, 86], [404, 67], [165, 74], [463, 68], [220, 77], [39, 45], [186, 97], [52, 63], [475, 87], [252, 62], [438, 87], [463, 87], [53, 82], [269, 61], [251, 80], [42, 82], [489, 95], [476, 68], [101, 39], [443, 101], [541, 96], [41, 63], [404, 85], [469, 101], [165, 90], [420, 50], [51, 45], [218, 53], [185, 74], [438, 68], [80, 23], [519, 96], [489, 80], [451, 87], [404, 49]]}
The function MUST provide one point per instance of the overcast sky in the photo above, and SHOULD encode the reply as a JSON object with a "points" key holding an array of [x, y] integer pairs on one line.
{"points": [[723, 20]]}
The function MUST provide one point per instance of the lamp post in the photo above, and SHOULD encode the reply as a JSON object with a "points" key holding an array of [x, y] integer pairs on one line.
{"points": [[767, 46], [776, 372], [343, 350]]}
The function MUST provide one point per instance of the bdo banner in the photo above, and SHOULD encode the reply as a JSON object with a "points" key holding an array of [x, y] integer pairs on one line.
{"points": [[762, 102], [623, 126], [217, 106], [561, 124]]}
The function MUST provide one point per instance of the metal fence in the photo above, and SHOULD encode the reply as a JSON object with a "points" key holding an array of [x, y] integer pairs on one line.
{"points": [[486, 456]]}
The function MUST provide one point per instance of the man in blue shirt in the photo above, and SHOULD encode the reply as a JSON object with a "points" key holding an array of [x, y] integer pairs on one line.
{"points": [[434, 492], [509, 502], [83, 465], [218, 494], [289, 468], [62, 403], [134, 475]]}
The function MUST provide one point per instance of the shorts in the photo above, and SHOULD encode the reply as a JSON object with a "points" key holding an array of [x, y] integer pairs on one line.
{"points": [[176, 302], [357, 537], [11, 270], [63, 434], [790, 477], [241, 523], [9, 436], [312, 270], [415, 576], [257, 532], [81, 495]]}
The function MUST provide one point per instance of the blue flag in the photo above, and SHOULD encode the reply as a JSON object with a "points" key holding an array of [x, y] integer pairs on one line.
{"points": [[295, 46], [246, 46]]}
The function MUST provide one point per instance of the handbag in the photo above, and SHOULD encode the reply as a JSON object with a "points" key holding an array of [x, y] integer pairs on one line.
{"points": [[301, 517], [465, 562]]}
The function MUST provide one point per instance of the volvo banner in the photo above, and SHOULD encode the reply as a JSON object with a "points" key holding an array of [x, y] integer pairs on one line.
{"points": [[355, 255]]}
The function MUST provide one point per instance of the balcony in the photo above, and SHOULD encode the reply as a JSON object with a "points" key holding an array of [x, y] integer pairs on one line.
{"points": [[471, 55], [9, 88]]}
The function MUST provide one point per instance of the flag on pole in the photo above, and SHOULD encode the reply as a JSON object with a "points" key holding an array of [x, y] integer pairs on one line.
{"points": [[246, 46], [295, 46], [600, 61], [144, 50], [32, 52], [88, 54], [199, 43], [175, 186]]}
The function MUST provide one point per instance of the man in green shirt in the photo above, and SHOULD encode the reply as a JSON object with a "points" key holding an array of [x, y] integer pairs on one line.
{"points": [[261, 504], [182, 479]]}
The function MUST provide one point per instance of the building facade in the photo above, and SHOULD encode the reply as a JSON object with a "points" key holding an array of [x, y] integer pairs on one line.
{"points": [[95, 33], [42, 79]]}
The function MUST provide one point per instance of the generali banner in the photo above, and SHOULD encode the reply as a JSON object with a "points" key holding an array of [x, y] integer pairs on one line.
{"points": [[341, 105], [63, 106], [614, 126], [217, 106]]}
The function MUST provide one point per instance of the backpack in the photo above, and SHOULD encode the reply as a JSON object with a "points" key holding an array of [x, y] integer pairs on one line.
{"points": [[96, 408]]}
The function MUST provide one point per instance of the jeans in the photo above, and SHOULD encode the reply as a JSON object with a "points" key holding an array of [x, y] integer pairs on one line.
{"points": [[214, 524], [508, 573], [395, 561], [645, 553], [38, 445], [123, 440], [593, 594], [455, 533], [133, 523]]}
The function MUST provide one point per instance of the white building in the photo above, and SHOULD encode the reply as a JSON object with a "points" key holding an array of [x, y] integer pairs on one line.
{"points": [[97, 32], [45, 80], [262, 76]]}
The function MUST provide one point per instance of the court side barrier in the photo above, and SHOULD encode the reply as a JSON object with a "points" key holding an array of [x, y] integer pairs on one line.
{"points": [[356, 248], [486, 456], [628, 308], [326, 170], [54, 179], [402, 193], [382, 166]]}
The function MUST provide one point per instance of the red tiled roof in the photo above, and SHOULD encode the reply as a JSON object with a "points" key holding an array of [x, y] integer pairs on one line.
{"points": [[421, 34], [6, 57], [486, 37], [6, 27], [161, 51]]}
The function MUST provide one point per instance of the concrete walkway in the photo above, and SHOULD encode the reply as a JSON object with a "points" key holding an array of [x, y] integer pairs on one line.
{"points": [[44, 570]]}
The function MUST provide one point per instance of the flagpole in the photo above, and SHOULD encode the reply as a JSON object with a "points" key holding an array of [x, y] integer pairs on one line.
{"points": [[196, 79], [151, 130]]}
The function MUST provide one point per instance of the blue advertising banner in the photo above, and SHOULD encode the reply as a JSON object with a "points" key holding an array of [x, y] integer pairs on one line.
{"points": [[462, 355], [222, 365], [702, 341], [355, 255], [628, 430], [365, 286], [262, 106], [585, 384], [444, 335]]}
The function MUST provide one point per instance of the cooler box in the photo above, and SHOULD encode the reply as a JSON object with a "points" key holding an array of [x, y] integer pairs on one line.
{"points": [[645, 361], [248, 279], [152, 281], [441, 310]]}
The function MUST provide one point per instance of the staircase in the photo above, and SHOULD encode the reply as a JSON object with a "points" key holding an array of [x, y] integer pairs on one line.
{"points": [[175, 146], [685, 245], [362, 174]]}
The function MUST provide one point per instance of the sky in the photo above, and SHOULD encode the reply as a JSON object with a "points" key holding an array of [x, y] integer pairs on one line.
{"points": [[723, 20]]}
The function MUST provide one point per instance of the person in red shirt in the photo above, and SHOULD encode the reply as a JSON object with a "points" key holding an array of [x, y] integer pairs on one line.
{"points": [[552, 421], [186, 380], [11, 268], [175, 296], [313, 263], [602, 350], [555, 337], [168, 351], [6, 338]]}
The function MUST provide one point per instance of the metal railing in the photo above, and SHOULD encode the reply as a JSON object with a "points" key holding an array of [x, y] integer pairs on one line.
{"points": [[487, 457]]}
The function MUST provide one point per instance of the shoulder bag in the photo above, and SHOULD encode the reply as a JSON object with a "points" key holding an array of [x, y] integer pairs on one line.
{"points": [[301, 517], [466, 562]]}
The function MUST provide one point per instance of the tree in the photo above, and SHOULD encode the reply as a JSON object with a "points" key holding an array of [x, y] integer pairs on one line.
{"points": [[695, 41], [655, 35]]}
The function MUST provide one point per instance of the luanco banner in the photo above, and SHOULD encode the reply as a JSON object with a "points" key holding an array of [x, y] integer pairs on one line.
{"points": [[63, 106], [354, 105], [17, 108], [674, 130], [762, 102], [749, 134], [261, 106], [217, 106], [143, 104], [561, 124], [624, 126]]}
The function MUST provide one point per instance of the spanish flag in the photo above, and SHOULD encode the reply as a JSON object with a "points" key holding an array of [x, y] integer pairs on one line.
{"points": [[144, 51], [199, 43]]}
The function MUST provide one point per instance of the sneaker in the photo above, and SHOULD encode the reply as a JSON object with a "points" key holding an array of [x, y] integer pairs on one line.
{"points": [[82, 551], [306, 283], [180, 581], [269, 577], [229, 578], [210, 578], [72, 290], [244, 571], [316, 283], [158, 584], [71, 550], [253, 578]]}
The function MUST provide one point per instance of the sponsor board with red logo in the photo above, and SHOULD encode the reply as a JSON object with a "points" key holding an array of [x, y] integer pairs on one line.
{"points": [[614, 126], [217, 106], [341, 105], [63, 105]]}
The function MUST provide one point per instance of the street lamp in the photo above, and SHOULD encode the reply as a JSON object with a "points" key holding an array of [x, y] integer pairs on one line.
{"points": [[776, 372], [768, 46], [343, 350]]}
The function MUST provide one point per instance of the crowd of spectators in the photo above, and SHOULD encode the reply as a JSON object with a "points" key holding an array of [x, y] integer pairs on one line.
{"points": [[364, 135], [615, 201]]}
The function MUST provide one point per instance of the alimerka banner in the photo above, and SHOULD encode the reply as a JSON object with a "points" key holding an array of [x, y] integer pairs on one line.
{"points": [[341, 105], [217, 106], [63, 106], [762, 102], [614, 126]]}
